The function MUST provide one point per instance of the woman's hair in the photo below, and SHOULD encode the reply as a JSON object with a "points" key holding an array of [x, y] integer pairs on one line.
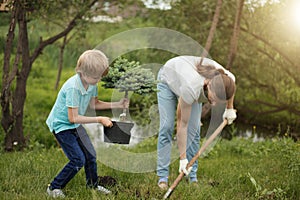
{"points": [[221, 84], [92, 63]]}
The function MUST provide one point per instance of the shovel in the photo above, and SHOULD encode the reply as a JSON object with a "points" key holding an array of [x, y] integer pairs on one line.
{"points": [[198, 154]]}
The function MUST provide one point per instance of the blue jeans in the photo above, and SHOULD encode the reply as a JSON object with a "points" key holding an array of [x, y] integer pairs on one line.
{"points": [[77, 146], [167, 105]]}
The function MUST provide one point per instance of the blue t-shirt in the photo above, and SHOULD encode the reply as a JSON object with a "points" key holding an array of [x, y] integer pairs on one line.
{"points": [[73, 95]]}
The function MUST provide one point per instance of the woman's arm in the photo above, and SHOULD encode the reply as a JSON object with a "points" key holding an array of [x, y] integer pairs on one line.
{"points": [[178, 116], [230, 112], [230, 103], [185, 112]]}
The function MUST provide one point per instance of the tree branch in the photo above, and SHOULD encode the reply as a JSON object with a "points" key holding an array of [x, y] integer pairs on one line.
{"points": [[271, 57], [286, 57], [70, 27], [277, 108]]}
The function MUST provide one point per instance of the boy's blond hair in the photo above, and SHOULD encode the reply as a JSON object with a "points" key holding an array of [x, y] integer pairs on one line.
{"points": [[92, 63]]}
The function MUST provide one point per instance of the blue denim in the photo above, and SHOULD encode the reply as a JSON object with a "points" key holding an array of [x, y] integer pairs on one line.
{"points": [[167, 105], [77, 146]]}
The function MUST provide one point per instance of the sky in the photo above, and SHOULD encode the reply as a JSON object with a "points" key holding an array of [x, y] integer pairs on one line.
{"points": [[165, 4]]}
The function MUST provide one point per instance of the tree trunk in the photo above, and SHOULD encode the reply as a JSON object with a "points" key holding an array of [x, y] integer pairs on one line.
{"points": [[212, 30], [235, 35], [60, 62], [7, 78], [14, 135]]}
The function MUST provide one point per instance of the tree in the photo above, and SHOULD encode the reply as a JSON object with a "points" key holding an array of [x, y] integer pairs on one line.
{"points": [[16, 69], [129, 76]]}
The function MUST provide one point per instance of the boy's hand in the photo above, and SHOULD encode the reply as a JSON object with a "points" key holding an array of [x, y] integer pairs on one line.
{"points": [[105, 121], [124, 103]]}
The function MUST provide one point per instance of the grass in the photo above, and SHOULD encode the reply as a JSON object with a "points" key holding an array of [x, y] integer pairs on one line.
{"points": [[236, 169]]}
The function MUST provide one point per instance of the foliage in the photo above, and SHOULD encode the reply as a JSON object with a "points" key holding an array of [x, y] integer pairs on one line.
{"points": [[5, 16], [118, 70], [276, 91], [277, 193], [130, 76], [138, 80], [145, 111]]}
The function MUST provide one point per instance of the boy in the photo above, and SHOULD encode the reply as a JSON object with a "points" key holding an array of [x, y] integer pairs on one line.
{"points": [[67, 115]]}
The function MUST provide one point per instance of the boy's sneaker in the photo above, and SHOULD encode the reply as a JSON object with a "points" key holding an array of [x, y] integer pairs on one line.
{"points": [[103, 189], [56, 193]]}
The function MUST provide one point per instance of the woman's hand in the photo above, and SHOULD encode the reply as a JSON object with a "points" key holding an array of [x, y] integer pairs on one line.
{"points": [[230, 115], [182, 167]]}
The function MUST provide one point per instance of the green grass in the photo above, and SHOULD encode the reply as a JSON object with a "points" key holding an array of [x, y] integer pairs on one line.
{"points": [[236, 169]]}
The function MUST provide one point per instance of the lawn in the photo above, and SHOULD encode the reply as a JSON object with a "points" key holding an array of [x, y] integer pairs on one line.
{"points": [[236, 169]]}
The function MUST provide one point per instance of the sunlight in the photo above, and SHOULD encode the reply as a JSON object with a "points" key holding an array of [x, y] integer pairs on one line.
{"points": [[295, 14]]}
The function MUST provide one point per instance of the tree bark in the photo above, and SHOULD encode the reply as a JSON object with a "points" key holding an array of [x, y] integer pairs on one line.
{"points": [[212, 30], [60, 61], [5, 91], [235, 35], [14, 135]]}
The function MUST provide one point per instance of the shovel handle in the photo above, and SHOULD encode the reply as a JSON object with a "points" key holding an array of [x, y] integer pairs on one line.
{"points": [[198, 154]]}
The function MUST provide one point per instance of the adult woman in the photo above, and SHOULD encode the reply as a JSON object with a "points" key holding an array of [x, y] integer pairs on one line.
{"points": [[184, 81]]}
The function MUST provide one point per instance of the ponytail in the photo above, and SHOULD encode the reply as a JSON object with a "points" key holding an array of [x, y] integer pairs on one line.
{"points": [[208, 71], [221, 84]]}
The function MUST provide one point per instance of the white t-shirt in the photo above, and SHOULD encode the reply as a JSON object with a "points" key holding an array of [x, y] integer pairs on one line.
{"points": [[181, 75]]}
